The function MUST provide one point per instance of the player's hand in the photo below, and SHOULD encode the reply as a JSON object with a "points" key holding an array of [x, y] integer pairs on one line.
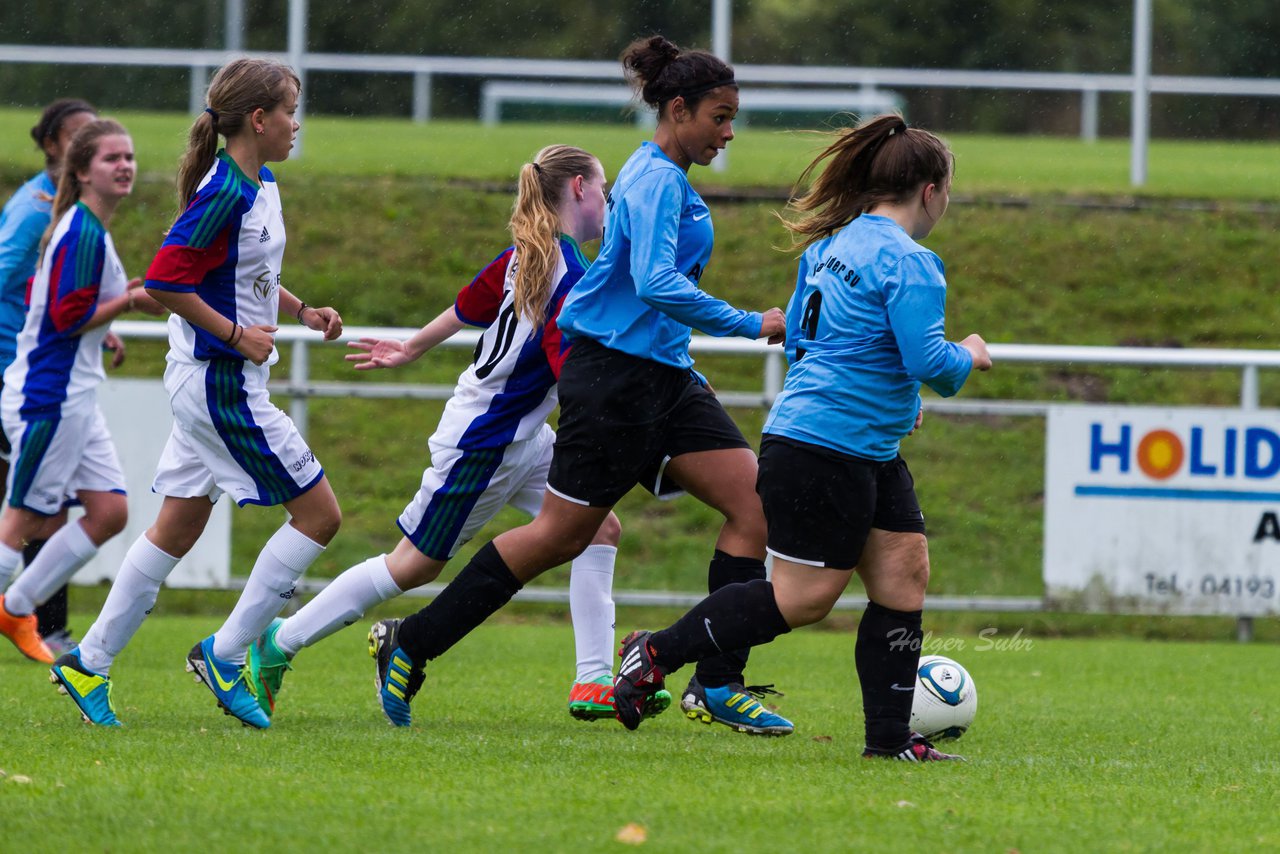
{"points": [[978, 349], [919, 421], [140, 300], [114, 345], [378, 353], [323, 319], [256, 343], [773, 326]]}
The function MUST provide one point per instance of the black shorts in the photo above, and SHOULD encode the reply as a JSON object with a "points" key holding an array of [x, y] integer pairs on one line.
{"points": [[820, 504], [622, 418]]}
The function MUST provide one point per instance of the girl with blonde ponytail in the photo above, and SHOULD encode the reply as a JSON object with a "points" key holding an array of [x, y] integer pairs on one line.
{"points": [[219, 273], [493, 445], [61, 448]]}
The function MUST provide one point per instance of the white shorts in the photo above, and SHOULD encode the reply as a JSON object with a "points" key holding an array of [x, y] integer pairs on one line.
{"points": [[463, 490], [228, 437], [55, 458]]}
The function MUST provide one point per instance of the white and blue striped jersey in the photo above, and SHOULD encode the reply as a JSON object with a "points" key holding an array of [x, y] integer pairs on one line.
{"points": [[865, 327], [57, 367], [641, 295], [227, 247], [509, 390]]}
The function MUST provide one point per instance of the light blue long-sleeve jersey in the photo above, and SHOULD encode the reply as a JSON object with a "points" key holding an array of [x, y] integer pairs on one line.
{"points": [[641, 295], [864, 329], [25, 217]]}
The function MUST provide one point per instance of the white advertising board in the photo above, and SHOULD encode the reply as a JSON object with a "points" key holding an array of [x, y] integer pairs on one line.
{"points": [[138, 416], [1163, 510]]}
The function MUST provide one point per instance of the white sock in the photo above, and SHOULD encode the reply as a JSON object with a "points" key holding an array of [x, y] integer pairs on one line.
{"points": [[343, 601], [280, 564], [9, 560], [591, 607], [65, 552], [132, 596]]}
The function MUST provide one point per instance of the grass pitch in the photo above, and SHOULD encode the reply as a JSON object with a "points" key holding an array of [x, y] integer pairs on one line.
{"points": [[1079, 745]]}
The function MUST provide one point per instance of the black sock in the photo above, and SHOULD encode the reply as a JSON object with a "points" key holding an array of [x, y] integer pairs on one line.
{"points": [[52, 615], [482, 587], [734, 617], [887, 656], [724, 668]]}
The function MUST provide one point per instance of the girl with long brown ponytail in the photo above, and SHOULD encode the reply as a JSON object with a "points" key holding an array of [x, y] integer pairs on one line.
{"points": [[62, 451], [219, 273], [865, 328]]}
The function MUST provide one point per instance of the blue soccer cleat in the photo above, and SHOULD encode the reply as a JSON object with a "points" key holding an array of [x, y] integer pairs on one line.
{"points": [[398, 678], [91, 691], [228, 682], [734, 706]]}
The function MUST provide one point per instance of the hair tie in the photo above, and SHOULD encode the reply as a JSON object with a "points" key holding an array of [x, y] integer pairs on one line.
{"points": [[727, 80], [900, 127], [211, 111], [537, 168]]}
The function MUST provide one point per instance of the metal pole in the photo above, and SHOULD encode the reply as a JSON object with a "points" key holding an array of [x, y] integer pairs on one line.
{"points": [[1089, 115], [299, 376], [721, 35], [1141, 120], [199, 86], [297, 58], [234, 29], [1249, 387], [422, 96]]}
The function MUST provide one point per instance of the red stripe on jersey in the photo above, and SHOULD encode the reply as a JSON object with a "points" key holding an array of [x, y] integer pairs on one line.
{"points": [[553, 343], [188, 265], [478, 303], [74, 306]]}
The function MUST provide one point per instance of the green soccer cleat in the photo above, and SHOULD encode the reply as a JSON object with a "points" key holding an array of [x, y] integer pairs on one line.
{"points": [[90, 691], [267, 666], [593, 700]]}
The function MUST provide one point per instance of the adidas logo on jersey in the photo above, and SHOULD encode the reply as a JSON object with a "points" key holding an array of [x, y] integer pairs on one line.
{"points": [[265, 235]]}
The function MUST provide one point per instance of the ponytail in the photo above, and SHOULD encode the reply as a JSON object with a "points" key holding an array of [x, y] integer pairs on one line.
{"points": [[239, 88], [881, 160], [535, 224]]}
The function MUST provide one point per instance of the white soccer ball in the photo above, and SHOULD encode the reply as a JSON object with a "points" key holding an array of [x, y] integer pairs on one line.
{"points": [[945, 700]]}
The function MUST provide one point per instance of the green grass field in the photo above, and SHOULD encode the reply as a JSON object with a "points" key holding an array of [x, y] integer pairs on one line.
{"points": [[1098, 741], [1079, 745]]}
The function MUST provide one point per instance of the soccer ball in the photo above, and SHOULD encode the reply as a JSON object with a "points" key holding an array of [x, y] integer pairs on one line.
{"points": [[945, 700]]}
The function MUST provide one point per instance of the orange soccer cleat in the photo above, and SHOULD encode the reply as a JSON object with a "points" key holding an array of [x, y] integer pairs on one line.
{"points": [[22, 631]]}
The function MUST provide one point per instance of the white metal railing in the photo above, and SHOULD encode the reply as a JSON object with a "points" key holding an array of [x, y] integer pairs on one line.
{"points": [[422, 68], [300, 389]]}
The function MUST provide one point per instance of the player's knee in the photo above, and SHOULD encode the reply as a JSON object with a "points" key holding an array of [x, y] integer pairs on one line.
{"points": [[609, 532]]}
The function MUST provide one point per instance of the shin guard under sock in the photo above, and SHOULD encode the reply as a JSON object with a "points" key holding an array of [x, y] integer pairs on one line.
{"points": [[724, 668], [887, 656], [482, 587], [735, 617]]}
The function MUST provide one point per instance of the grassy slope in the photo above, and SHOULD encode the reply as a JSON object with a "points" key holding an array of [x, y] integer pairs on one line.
{"points": [[393, 250], [1160, 769]]}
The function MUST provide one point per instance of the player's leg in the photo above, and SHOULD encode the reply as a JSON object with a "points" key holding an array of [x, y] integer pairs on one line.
{"points": [[51, 617], [84, 673], [57, 458], [895, 572], [560, 532]]}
